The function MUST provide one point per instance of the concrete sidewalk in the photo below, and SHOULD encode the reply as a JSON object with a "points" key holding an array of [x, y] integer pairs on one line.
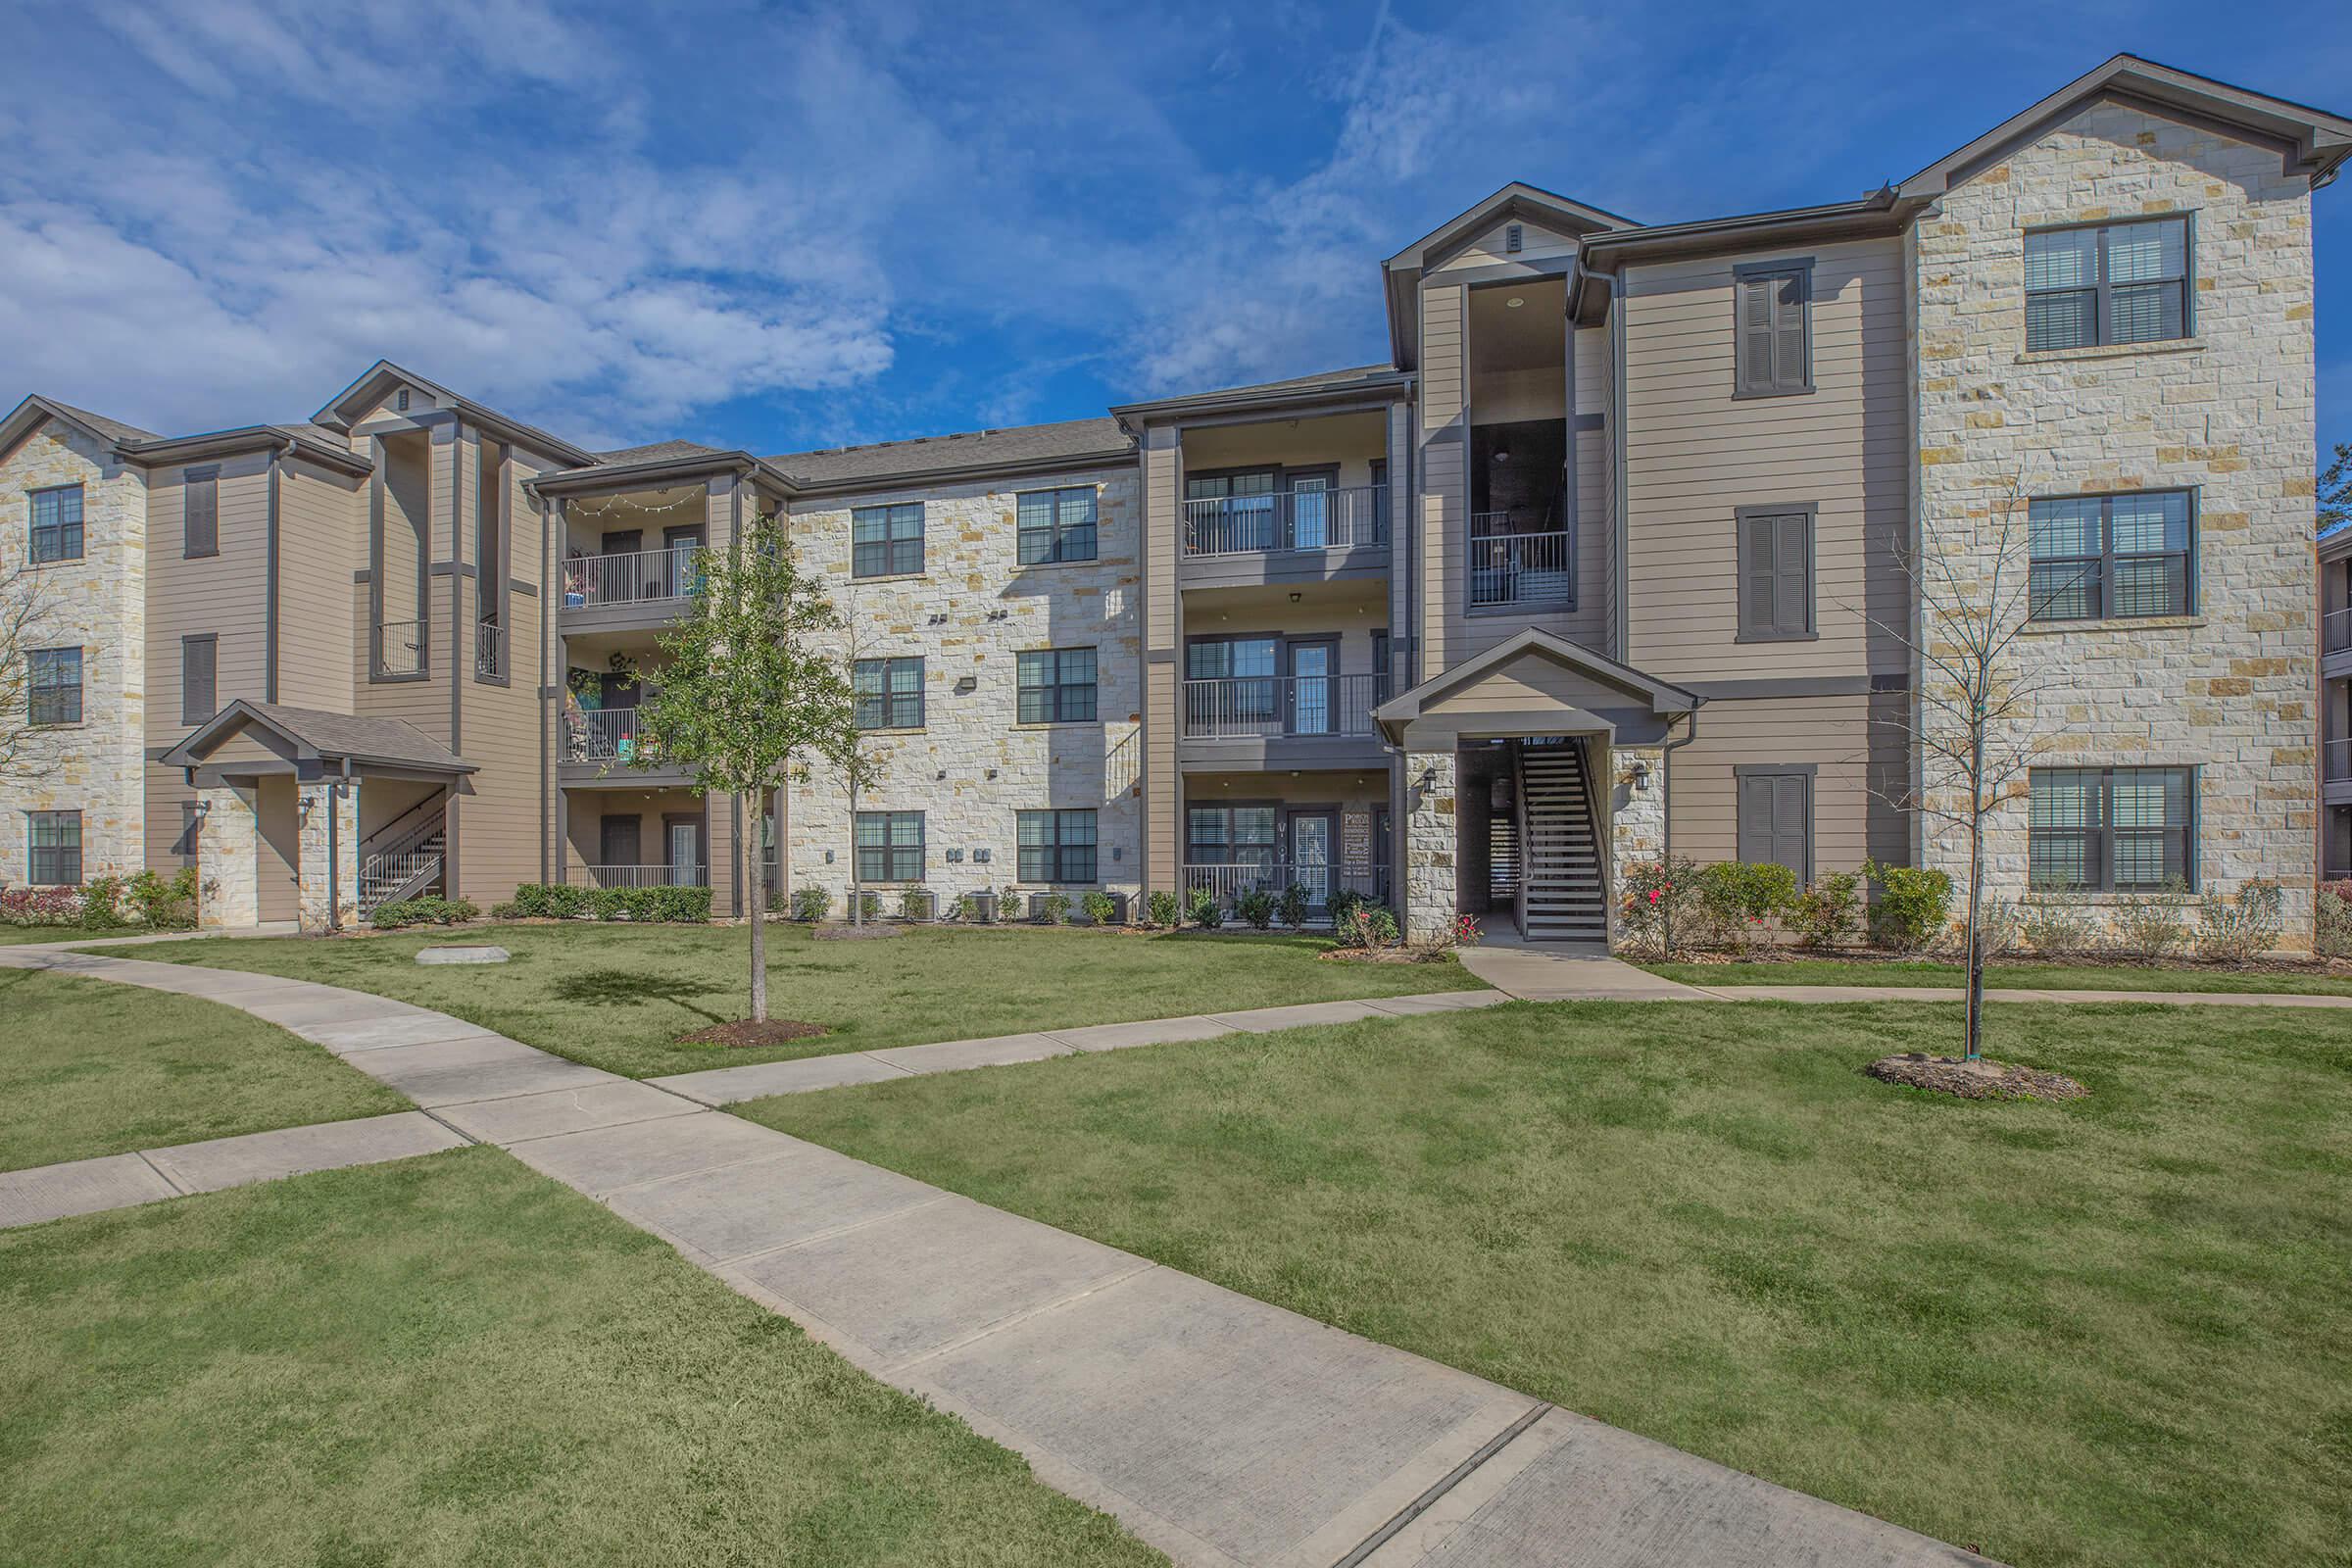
{"points": [[1220, 1429]]}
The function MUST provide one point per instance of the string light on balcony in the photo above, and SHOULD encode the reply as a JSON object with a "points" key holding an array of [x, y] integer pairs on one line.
{"points": [[617, 504]]}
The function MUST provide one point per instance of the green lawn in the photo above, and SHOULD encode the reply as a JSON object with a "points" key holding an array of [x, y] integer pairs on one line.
{"points": [[2017, 977], [2114, 1332], [12, 935], [614, 996], [88, 1067], [452, 1360]]}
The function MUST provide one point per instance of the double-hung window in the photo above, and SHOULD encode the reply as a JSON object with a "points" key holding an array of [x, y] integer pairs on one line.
{"points": [[2104, 283], [2111, 829], [1774, 336], [53, 848], [886, 540], [57, 524], [54, 682], [2111, 558], [1057, 524], [890, 846], [889, 693], [1058, 845], [1057, 686]]}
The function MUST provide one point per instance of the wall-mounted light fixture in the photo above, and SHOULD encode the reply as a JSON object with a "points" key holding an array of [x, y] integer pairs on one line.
{"points": [[1640, 774]]}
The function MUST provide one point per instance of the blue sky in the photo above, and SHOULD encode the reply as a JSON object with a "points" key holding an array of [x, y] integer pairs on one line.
{"points": [[787, 226]]}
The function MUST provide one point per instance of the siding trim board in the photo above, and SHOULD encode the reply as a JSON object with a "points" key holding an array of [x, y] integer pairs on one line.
{"points": [[270, 587]]}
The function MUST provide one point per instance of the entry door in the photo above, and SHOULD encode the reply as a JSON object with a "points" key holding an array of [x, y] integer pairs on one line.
{"points": [[1380, 854], [685, 851], [1314, 688], [678, 576], [619, 845], [1310, 511], [1314, 835], [622, 577]]}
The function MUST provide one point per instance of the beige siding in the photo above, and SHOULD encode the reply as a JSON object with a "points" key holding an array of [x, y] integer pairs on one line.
{"points": [[225, 595], [277, 846], [417, 503], [1859, 764], [1531, 684], [322, 527], [498, 725], [1163, 637], [1695, 454], [1492, 247], [1445, 450]]}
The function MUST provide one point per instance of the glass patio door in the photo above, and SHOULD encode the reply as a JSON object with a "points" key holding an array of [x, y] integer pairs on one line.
{"points": [[685, 854], [1311, 842], [1310, 511], [1313, 688]]}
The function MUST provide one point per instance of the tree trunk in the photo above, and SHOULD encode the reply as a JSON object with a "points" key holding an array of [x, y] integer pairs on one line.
{"points": [[856, 887], [750, 850], [1975, 893]]}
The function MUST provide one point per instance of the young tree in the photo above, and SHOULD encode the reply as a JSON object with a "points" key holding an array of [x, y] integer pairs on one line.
{"points": [[21, 615], [1974, 722], [751, 694]]}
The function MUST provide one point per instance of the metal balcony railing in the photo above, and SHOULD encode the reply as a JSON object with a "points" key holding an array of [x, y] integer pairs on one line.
{"points": [[631, 577], [1275, 706], [640, 876], [490, 649], [2335, 761], [400, 648], [605, 735], [1230, 879], [1287, 519], [1516, 568], [2336, 631]]}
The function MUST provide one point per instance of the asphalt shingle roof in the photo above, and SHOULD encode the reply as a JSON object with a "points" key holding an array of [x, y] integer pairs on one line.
{"points": [[1076, 439]]}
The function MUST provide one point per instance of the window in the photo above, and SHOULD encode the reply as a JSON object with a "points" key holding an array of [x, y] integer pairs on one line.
{"points": [[889, 693], [1246, 690], [2107, 283], [1379, 662], [200, 512], [886, 540], [57, 524], [1058, 845], [1775, 573], [890, 846], [1057, 524], [1774, 341], [1057, 686], [54, 845], [198, 661], [1232, 835], [2103, 557], [54, 679], [2115, 829], [1776, 816]]}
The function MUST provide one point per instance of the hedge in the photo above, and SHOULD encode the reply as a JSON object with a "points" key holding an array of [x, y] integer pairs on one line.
{"points": [[653, 905], [399, 912]]}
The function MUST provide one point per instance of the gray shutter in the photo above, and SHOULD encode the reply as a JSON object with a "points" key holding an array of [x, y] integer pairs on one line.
{"points": [[1755, 333], [1789, 332], [1755, 820], [200, 521], [1791, 584], [1790, 822], [196, 682], [1756, 574]]}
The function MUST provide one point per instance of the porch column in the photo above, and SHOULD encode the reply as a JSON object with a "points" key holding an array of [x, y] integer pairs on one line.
{"points": [[329, 874], [1429, 842], [1637, 825], [227, 869]]}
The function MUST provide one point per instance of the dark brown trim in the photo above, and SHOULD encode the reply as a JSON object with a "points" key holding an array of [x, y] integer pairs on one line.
{"points": [[269, 594]]}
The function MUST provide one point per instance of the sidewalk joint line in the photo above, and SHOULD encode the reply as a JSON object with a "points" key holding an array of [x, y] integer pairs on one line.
{"points": [[1453, 1478], [612, 1192], [935, 1199], [964, 1342], [169, 1179]]}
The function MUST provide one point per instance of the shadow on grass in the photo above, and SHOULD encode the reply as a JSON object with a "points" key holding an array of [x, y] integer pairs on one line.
{"points": [[609, 987]]}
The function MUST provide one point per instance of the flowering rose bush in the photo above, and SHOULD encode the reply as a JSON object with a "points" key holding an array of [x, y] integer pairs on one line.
{"points": [[1655, 901]]}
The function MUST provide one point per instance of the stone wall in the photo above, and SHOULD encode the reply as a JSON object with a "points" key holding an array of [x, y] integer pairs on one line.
{"points": [[1637, 826], [228, 860], [972, 765], [97, 603], [1431, 841], [330, 861], [2229, 411]]}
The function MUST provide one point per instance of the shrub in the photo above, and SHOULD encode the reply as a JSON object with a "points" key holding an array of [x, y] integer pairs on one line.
{"points": [[968, 908], [2232, 933], [421, 911], [1053, 907], [1367, 925], [1291, 906], [1343, 902], [1466, 932], [40, 906], [1203, 908], [1100, 908], [1009, 903], [2059, 925], [1163, 908], [1256, 906], [915, 903], [2332, 935], [1737, 903], [1911, 907], [811, 903], [1998, 922], [166, 904], [102, 904], [2150, 926], [869, 905], [1827, 913], [1655, 907], [506, 910], [655, 905]]}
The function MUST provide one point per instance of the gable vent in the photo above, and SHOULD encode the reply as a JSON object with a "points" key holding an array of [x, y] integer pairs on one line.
{"points": [[404, 391], [1511, 237]]}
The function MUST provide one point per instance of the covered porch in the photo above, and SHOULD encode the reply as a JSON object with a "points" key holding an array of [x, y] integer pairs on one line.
{"points": [[1533, 775], [314, 817]]}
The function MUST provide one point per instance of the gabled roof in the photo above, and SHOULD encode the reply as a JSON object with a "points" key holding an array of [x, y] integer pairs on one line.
{"points": [[2310, 141], [37, 410], [657, 451], [1663, 698], [1401, 273], [314, 735], [321, 446], [1014, 449], [379, 379], [1382, 380]]}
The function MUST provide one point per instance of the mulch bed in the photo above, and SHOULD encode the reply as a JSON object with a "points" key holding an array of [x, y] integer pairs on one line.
{"points": [[1380, 955], [743, 1033], [2313, 968], [1973, 1080]]}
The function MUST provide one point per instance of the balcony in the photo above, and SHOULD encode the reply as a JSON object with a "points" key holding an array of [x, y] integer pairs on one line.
{"points": [[1228, 880], [2335, 642], [635, 588], [638, 877], [400, 650], [2335, 761], [602, 745], [490, 650], [1504, 569], [1285, 536], [1252, 721]]}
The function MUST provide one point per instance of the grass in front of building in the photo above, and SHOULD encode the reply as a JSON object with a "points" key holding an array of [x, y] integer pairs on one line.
{"points": [[2008, 974], [15, 934], [616, 996], [454, 1361], [2113, 1332], [88, 1068]]}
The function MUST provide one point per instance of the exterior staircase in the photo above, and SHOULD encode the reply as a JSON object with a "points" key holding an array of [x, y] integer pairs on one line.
{"points": [[403, 857], [1563, 897]]}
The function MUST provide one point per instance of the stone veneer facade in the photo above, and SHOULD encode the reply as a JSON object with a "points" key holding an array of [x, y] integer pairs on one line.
{"points": [[1431, 783], [2229, 413], [1637, 817], [973, 766], [97, 603]]}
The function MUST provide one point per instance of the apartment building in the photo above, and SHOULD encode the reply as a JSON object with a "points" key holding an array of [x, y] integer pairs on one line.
{"points": [[1613, 557], [2335, 706]]}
